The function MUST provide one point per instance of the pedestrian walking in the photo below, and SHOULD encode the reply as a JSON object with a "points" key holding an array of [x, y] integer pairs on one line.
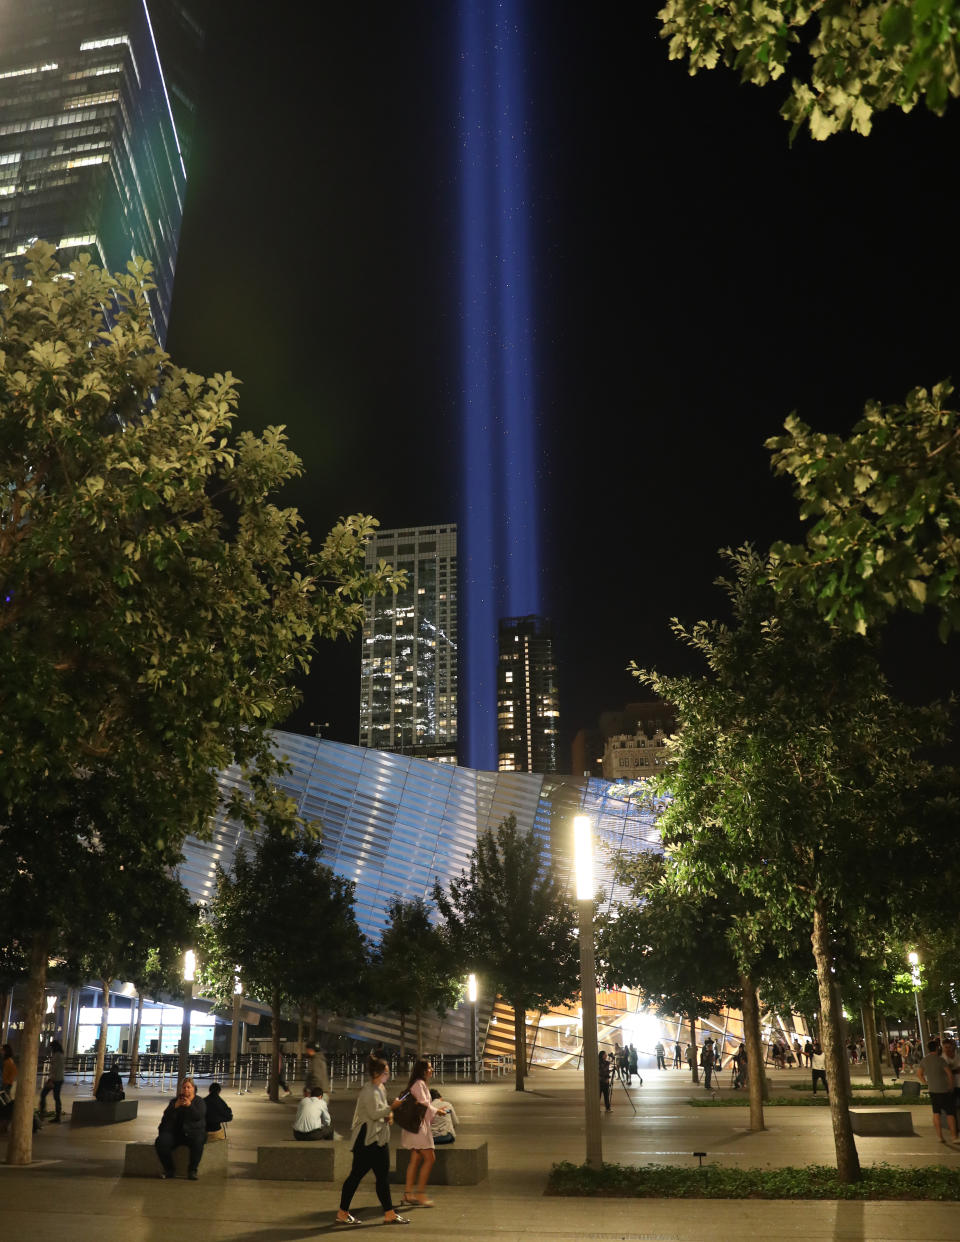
{"points": [[54, 1082], [938, 1076], [706, 1060], [370, 1141], [818, 1067], [634, 1063], [677, 1056], [661, 1055], [605, 1074], [420, 1145]]}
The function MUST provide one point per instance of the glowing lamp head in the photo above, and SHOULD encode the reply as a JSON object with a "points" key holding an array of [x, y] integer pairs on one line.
{"points": [[472, 989], [913, 959], [583, 857], [189, 966]]}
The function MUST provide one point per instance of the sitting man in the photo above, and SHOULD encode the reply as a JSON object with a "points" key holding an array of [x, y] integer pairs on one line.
{"points": [[442, 1126], [110, 1087], [218, 1114], [183, 1124], [313, 1117]]}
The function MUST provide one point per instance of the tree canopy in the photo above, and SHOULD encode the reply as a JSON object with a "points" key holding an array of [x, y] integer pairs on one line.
{"points": [[509, 919], [885, 508], [156, 600], [288, 922], [850, 60]]}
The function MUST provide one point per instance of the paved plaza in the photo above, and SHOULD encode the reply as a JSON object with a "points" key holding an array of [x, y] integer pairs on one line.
{"points": [[74, 1191]]}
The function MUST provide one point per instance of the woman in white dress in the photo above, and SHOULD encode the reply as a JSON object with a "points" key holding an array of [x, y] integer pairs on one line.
{"points": [[420, 1145]]}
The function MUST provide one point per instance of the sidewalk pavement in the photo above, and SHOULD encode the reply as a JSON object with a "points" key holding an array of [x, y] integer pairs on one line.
{"points": [[74, 1190]]}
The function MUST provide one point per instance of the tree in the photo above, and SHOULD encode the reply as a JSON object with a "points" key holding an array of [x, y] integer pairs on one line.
{"points": [[288, 922], [788, 771], [121, 917], [861, 58], [510, 918], [155, 600], [884, 504], [674, 943], [416, 970]]}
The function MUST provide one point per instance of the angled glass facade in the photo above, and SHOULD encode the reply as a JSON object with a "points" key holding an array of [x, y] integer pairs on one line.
{"points": [[408, 674], [90, 158], [394, 824]]}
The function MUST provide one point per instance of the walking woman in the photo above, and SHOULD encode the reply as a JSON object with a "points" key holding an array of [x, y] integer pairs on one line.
{"points": [[370, 1136], [420, 1145], [55, 1082]]}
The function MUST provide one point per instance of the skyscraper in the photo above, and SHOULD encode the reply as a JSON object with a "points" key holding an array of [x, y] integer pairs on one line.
{"points": [[408, 678], [528, 715], [90, 156]]}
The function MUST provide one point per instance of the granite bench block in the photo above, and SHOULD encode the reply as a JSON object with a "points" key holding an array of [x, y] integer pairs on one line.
{"points": [[458, 1164], [141, 1160], [95, 1113]]}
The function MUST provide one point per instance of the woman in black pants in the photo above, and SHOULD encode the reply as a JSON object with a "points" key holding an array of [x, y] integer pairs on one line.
{"points": [[370, 1135]]}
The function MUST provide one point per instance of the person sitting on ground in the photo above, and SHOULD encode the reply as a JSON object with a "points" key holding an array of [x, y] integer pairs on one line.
{"points": [[183, 1124], [219, 1113], [937, 1074], [110, 1087], [445, 1120], [313, 1117]]}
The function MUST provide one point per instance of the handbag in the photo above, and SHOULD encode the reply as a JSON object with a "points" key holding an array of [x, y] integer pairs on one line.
{"points": [[410, 1114]]}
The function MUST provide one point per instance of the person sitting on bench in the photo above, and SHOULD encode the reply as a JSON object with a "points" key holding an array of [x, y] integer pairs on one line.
{"points": [[313, 1117], [110, 1087], [445, 1120]]}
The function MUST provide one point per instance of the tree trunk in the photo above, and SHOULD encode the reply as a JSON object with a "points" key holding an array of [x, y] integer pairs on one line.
{"points": [[314, 1019], [694, 1052], [20, 1143], [102, 1040], [403, 1036], [274, 1080], [868, 1014], [754, 1043], [418, 1017], [519, 1044], [135, 1048], [831, 1036]]}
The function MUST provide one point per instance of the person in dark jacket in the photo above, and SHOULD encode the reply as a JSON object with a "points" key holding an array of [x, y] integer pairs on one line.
{"points": [[183, 1124], [110, 1087], [55, 1082], [218, 1111]]}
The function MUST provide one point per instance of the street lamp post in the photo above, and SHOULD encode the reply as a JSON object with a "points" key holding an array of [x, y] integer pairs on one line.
{"points": [[189, 974], [235, 1028], [472, 997], [914, 960], [583, 863]]}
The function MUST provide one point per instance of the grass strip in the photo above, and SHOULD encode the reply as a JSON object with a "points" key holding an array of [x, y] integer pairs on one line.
{"points": [[782, 1101], [658, 1181], [854, 1086]]}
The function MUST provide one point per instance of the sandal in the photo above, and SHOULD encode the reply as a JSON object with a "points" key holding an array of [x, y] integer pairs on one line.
{"points": [[397, 1220], [351, 1220]]}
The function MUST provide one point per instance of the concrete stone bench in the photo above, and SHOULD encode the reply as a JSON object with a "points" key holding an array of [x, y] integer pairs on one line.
{"points": [[294, 1161], [881, 1121], [910, 1090], [141, 1160], [96, 1113], [458, 1164]]}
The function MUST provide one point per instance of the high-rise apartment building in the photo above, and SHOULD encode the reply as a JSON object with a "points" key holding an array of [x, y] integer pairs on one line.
{"points": [[90, 154], [528, 715], [408, 678]]}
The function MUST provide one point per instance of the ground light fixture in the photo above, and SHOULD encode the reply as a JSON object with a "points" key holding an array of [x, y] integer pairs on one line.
{"points": [[583, 869]]}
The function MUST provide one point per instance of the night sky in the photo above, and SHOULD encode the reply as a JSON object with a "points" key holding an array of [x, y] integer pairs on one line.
{"points": [[695, 280]]}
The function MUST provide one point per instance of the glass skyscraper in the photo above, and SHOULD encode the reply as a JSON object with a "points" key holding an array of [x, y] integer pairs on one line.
{"points": [[90, 155], [528, 713], [408, 675]]}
